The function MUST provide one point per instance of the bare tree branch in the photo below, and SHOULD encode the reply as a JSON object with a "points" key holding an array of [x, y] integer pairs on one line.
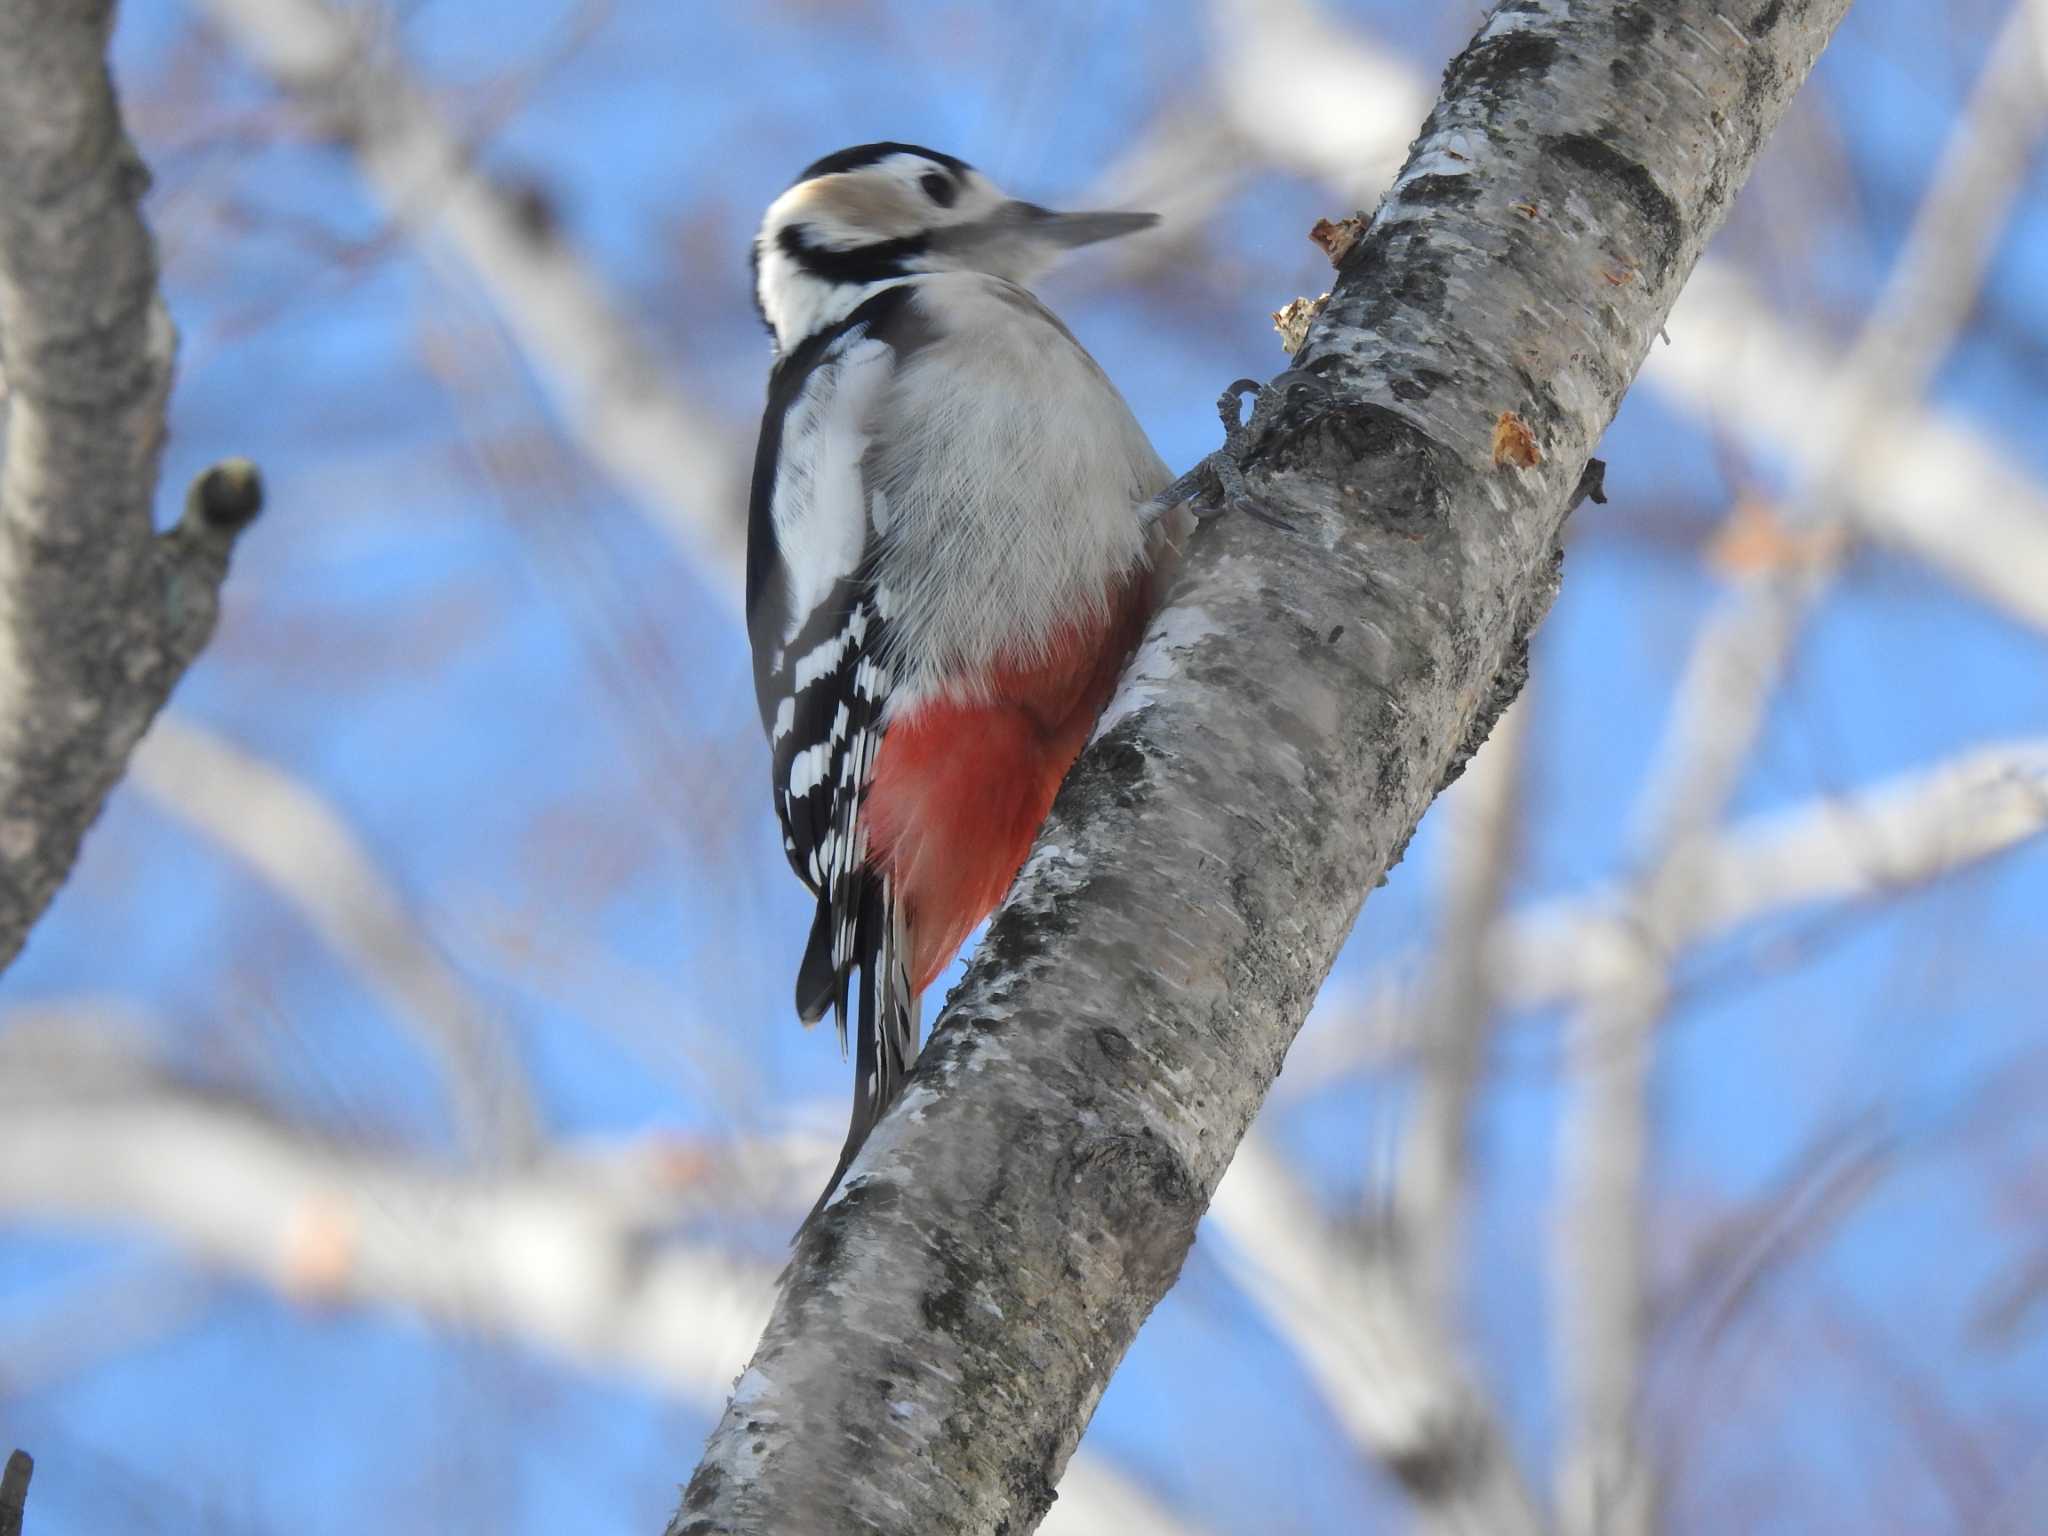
{"points": [[556, 1254], [1735, 667], [614, 395], [1480, 836], [1890, 838], [1600, 1301], [949, 1322], [99, 617], [305, 851], [580, 1253], [1373, 1323], [1299, 86], [1389, 1371], [1923, 484], [1606, 1486]]}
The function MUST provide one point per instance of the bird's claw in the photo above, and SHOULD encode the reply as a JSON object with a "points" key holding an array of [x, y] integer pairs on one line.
{"points": [[1216, 485], [1221, 471]]}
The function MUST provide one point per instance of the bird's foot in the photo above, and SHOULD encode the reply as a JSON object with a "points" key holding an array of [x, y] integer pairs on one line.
{"points": [[1216, 485]]}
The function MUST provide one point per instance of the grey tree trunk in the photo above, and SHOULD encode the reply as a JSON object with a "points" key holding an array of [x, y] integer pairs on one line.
{"points": [[99, 616], [946, 1327]]}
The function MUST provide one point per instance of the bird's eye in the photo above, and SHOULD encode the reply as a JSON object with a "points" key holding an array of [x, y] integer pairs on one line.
{"points": [[939, 189]]}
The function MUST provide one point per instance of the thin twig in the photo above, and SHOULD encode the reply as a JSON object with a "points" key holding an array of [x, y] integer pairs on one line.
{"points": [[613, 394], [303, 848], [14, 1491]]}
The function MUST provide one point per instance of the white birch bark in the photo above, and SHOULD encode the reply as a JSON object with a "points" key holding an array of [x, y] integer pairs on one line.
{"points": [[948, 1323], [99, 616]]}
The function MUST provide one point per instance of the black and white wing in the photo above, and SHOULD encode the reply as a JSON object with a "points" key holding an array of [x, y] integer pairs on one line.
{"points": [[822, 678]]}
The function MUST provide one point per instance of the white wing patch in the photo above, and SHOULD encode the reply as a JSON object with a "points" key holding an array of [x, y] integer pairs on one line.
{"points": [[821, 523]]}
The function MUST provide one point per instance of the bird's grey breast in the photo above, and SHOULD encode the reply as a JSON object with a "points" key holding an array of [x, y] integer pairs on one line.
{"points": [[1004, 476]]}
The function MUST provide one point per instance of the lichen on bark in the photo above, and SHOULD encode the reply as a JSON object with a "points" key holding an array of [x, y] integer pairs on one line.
{"points": [[947, 1325]]}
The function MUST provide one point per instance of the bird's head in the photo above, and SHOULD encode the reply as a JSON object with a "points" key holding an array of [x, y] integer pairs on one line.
{"points": [[877, 212]]}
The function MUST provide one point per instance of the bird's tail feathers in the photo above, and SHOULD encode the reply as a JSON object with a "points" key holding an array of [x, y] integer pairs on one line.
{"points": [[886, 1008]]}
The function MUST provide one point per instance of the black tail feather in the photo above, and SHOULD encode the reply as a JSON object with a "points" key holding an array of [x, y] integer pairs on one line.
{"points": [[819, 985], [886, 1025]]}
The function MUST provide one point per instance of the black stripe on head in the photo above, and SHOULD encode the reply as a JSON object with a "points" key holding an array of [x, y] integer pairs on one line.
{"points": [[863, 155], [857, 265]]}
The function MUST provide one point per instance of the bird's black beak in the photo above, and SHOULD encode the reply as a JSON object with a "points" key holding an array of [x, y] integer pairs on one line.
{"points": [[1068, 230]]}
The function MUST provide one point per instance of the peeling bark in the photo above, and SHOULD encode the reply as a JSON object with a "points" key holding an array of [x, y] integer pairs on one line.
{"points": [[948, 1323], [99, 616]]}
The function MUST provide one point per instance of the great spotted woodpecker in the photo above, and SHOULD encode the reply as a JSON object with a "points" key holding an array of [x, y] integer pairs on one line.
{"points": [[949, 559]]}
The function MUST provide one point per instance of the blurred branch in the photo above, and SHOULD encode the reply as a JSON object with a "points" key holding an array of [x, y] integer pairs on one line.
{"points": [[1481, 834], [1806, 1207], [1742, 651], [1600, 1305], [583, 1253], [304, 850], [557, 1254], [1882, 841], [612, 393], [2029, 1491], [1921, 483], [950, 1320], [2014, 1297], [99, 616], [101, 1319], [1385, 1365], [1606, 1485], [1098, 1500], [1313, 94], [1927, 486], [1375, 1325]]}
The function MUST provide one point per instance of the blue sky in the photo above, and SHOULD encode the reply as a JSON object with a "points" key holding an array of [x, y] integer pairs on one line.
{"points": [[536, 714]]}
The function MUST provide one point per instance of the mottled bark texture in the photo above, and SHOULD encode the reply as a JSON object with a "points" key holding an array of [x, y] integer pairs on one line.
{"points": [[99, 616], [946, 1326], [14, 1491]]}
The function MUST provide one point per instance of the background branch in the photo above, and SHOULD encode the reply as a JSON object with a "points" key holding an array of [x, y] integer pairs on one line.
{"points": [[591, 1254], [1920, 483], [1481, 828], [613, 393], [99, 616], [288, 835], [1389, 1369], [1606, 1486], [1863, 846]]}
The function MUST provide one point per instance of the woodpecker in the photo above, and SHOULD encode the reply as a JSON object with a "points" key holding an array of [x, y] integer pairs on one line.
{"points": [[951, 547]]}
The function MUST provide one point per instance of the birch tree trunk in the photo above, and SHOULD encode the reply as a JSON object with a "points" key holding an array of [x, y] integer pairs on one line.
{"points": [[947, 1325], [99, 616]]}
